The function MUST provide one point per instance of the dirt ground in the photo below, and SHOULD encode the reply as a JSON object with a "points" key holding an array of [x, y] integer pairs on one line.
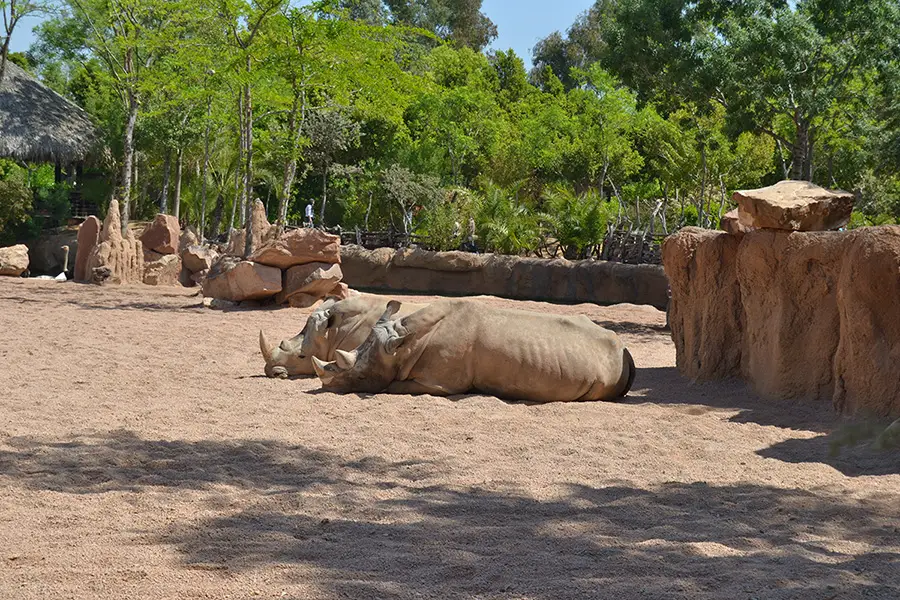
{"points": [[143, 455]]}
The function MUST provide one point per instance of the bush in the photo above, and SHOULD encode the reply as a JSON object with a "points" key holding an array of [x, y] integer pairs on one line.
{"points": [[504, 224], [15, 205]]}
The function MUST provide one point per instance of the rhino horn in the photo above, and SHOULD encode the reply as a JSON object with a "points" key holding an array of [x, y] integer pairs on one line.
{"points": [[265, 348], [320, 366], [345, 360]]}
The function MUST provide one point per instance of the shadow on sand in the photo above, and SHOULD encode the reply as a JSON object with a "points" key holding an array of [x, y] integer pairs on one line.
{"points": [[372, 528]]}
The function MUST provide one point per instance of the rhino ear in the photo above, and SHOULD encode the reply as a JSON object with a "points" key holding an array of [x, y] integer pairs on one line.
{"points": [[392, 307]]}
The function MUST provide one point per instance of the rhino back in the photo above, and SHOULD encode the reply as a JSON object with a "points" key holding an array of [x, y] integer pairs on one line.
{"points": [[514, 354]]}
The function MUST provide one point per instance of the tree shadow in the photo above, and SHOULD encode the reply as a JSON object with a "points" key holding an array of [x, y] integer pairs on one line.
{"points": [[675, 540], [367, 527], [853, 461], [122, 461]]}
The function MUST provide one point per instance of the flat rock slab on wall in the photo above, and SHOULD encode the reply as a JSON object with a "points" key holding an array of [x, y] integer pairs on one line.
{"points": [[797, 314], [462, 273]]}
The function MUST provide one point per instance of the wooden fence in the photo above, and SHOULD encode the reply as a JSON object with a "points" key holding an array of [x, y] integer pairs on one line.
{"points": [[629, 247]]}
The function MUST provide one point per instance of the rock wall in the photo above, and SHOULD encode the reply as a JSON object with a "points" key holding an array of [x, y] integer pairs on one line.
{"points": [[797, 314], [462, 273]]}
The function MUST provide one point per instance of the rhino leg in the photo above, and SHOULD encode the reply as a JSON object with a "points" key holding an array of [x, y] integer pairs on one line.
{"points": [[628, 373]]}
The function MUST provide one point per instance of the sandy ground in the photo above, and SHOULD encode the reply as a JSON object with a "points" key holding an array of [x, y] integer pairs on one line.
{"points": [[144, 455]]}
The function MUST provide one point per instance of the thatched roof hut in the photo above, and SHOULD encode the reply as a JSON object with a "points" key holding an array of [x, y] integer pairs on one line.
{"points": [[39, 125]]}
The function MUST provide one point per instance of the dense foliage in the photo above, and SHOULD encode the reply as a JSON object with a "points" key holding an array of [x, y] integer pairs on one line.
{"points": [[645, 114]]}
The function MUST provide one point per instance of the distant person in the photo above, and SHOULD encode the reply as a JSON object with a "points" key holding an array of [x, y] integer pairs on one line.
{"points": [[309, 215], [470, 242]]}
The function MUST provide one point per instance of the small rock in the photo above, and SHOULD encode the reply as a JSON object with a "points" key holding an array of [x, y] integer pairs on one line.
{"points": [[165, 271], [730, 223], [14, 260], [198, 258]]}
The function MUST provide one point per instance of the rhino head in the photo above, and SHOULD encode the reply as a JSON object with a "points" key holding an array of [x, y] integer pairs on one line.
{"points": [[292, 356], [373, 365]]}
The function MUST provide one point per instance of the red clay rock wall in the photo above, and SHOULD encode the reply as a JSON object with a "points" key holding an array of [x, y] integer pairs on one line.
{"points": [[709, 326], [457, 273], [789, 296], [817, 314], [867, 360]]}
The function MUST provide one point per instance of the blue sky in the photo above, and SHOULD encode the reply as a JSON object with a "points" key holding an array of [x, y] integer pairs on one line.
{"points": [[520, 23]]}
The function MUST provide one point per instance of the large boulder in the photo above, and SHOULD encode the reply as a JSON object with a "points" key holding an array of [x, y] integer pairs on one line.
{"points": [[162, 235], [262, 229], [867, 358], [789, 283], [705, 312], [88, 238], [188, 238], [795, 206], [231, 278], [315, 280], [13, 260], [165, 271], [299, 247], [116, 259], [198, 258]]}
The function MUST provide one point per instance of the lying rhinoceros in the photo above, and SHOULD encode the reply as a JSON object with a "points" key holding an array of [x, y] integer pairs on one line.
{"points": [[454, 346], [336, 324]]}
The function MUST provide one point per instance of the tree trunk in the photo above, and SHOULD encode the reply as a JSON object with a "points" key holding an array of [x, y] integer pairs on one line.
{"points": [[801, 169], [128, 149], [205, 174], [290, 164], [248, 172], [4, 54], [164, 195], [218, 211], [324, 195], [178, 164]]}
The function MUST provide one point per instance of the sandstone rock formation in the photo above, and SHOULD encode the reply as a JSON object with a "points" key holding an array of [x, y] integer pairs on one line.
{"points": [[299, 247], [162, 235], [231, 278], [124, 257], [13, 260], [815, 315], [789, 297], [710, 325], [341, 291], [313, 279], [88, 238], [795, 206], [236, 241], [867, 358], [165, 271]]}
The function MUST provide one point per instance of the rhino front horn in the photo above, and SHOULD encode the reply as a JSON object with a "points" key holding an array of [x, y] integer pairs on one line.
{"points": [[264, 347], [320, 366]]}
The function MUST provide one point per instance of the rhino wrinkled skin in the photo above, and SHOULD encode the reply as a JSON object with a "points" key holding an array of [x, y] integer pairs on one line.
{"points": [[456, 346]]}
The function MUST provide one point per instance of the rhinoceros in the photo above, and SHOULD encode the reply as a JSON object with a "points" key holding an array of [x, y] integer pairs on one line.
{"points": [[456, 346], [335, 324]]}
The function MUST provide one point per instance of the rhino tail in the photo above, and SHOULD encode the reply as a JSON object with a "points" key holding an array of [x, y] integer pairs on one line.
{"points": [[628, 373]]}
